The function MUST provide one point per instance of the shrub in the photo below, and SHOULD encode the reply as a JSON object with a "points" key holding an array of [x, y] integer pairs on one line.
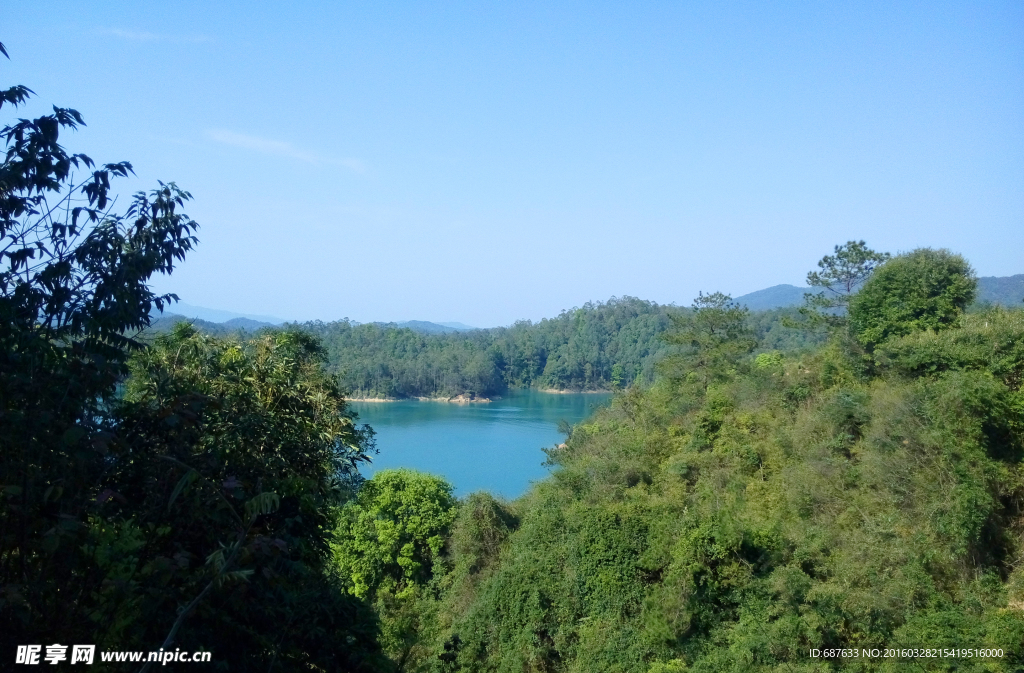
{"points": [[923, 289]]}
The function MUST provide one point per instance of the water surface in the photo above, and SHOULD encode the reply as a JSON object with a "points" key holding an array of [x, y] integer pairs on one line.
{"points": [[493, 446]]}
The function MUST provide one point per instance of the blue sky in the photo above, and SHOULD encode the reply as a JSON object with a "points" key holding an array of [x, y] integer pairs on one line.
{"points": [[486, 162]]}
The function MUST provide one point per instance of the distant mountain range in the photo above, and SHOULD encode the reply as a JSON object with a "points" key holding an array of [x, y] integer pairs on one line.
{"points": [[218, 316], [776, 296], [216, 321], [1004, 290], [249, 321], [433, 327]]}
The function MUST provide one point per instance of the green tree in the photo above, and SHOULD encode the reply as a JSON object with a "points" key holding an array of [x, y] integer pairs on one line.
{"points": [[840, 276], [991, 340], [923, 289], [240, 453], [714, 335], [74, 289], [388, 548], [190, 503], [617, 374]]}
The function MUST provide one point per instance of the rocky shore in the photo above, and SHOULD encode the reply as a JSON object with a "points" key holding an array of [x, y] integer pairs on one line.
{"points": [[464, 398]]}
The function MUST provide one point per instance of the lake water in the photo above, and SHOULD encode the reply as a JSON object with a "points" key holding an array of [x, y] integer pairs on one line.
{"points": [[492, 446]]}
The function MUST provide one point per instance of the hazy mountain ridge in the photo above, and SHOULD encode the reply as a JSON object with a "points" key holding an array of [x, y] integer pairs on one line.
{"points": [[776, 296], [1002, 290], [427, 327], [165, 322], [216, 315]]}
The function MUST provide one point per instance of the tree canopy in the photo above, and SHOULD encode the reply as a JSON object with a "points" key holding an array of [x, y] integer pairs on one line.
{"points": [[390, 551], [753, 505], [923, 289], [181, 494], [714, 335], [840, 276], [73, 287]]}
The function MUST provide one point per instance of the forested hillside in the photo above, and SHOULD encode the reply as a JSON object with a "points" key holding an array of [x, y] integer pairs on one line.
{"points": [[602, 345], [599, 346], [586, 348], [747, 508], [1005, 291]]}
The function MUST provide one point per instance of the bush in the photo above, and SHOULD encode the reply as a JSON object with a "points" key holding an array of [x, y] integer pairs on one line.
{"points": [[923, 289]]}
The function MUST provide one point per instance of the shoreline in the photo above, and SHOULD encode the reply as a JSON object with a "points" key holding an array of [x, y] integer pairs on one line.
{"points": [[455, 399], [462, 399]]}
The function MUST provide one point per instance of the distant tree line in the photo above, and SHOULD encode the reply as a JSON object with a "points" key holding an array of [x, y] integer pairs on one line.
{"points": [[601, 345]]}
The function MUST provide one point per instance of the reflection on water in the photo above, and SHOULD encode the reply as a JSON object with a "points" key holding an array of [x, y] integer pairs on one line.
{"points": [[494, 447]]}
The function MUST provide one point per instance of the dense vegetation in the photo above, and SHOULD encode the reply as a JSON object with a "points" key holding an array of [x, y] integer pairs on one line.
{"points": [[602, 345], [752, 505], [587, 348], [1005, 291], [182, 495], [849, 476]]}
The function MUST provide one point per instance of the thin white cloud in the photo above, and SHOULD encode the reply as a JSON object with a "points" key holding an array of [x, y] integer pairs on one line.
{"points": [[171, 141], [146, 36], [279, 148], [136, 35]]}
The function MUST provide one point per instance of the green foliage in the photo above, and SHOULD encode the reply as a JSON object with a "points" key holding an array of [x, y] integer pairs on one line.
{"points": [[480, 531], [841, 275], [714, 336], [388, 549], [990, 341], [183, 494], [242, 454], [392, 533], [768, 361], [805, 501], [598, 346], [73, 282], [577, 350], [923, 289], [774, 330]]}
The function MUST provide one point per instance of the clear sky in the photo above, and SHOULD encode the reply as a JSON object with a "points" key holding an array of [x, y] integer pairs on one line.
{"points": [[490, 161]]}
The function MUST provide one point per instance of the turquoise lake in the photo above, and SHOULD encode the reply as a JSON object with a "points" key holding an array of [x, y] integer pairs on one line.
{"points": [[493, 446]]}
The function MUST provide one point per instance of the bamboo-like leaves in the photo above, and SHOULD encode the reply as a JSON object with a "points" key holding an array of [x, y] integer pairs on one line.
{"points": [[233, 576], [264, 503], [187, 480]]}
